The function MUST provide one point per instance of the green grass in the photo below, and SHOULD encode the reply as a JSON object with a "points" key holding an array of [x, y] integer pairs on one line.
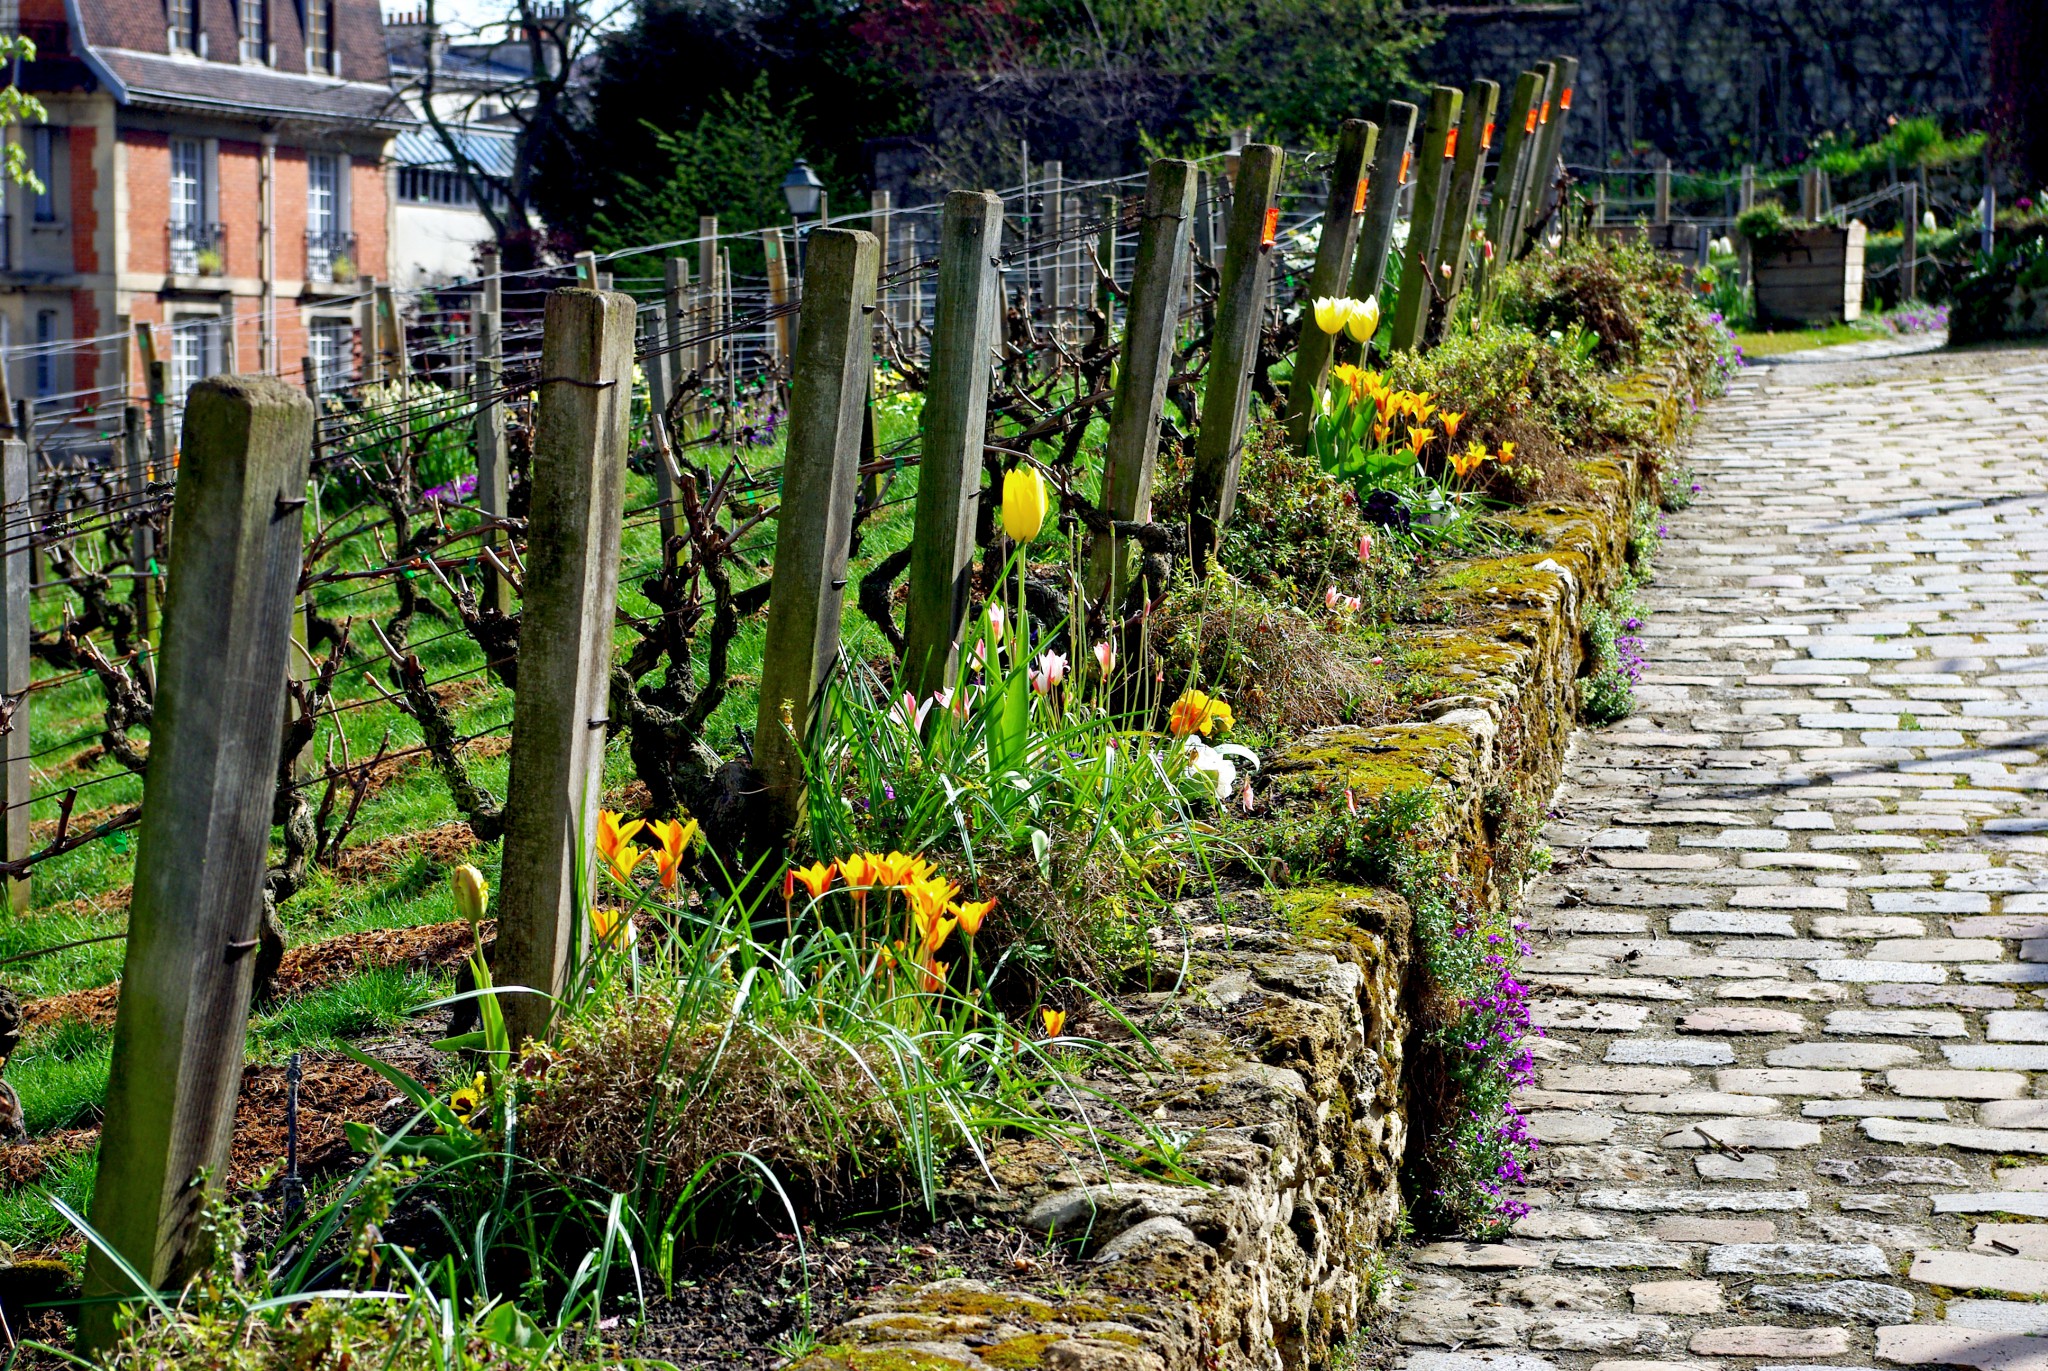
{"points": [[373, 1001], [61, 1076], [1775, 343], [26, 1218]]}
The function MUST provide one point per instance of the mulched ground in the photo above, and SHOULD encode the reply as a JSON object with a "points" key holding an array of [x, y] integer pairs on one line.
{"points": [[308, 967]]}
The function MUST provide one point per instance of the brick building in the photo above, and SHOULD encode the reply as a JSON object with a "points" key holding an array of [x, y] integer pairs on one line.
{"points": [[216, 166]]}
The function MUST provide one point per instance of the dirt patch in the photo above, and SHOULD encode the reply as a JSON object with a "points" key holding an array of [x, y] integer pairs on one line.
{"points": [[333, 1090], [426, 947], [24, 1163], [446, 844]]}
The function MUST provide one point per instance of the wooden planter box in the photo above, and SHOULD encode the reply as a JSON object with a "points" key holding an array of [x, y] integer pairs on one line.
{"points": [[1812, 276]]}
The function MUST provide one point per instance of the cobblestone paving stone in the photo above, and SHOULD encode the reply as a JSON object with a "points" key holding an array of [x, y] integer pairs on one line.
{"points": [[1793, 958]]}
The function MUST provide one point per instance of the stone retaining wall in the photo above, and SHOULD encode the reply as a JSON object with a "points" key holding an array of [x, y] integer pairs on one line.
{"points": [[1281, 1090]]}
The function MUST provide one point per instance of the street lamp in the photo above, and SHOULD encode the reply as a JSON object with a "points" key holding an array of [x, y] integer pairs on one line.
{"points": [[803, 190]]}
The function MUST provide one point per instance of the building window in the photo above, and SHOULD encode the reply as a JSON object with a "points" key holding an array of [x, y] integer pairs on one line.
{"points": [[195, 349], [432, 186], [320, 36], [195, 247], [253, 18], [43, 161], [330, 247], [183, 18], [328, 343], [46, 353]]}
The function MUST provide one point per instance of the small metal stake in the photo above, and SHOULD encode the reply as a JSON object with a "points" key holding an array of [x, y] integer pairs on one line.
{"points": [[294, 1188]]}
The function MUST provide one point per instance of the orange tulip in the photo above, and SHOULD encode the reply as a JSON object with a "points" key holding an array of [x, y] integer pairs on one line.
{"points": [[606, 924], [1055, 1021], [615, 843], [816, 878], [1450, 423], [971, 914], [676, 839], [1420, 438]]}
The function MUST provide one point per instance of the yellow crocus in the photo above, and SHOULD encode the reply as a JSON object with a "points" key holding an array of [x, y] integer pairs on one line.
{"points": [[1025, 502]]}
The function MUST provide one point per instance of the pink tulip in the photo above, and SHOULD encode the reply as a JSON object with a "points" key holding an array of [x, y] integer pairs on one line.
{"points": [[1330, 597], [1049, 671], [1350, 800], [1105, 655], [995, 622], [1365, 547]]}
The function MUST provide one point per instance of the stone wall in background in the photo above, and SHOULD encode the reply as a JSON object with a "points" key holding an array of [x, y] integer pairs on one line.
{"points": [[1719, 82]]}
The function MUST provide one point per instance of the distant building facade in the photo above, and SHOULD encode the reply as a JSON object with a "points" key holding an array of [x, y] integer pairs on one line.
{"points": [[212, 167]]}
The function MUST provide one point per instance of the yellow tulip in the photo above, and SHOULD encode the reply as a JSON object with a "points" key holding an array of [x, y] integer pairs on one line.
{"points": [[472, 893], [1364, 320], [606, 924], [1195, 712], [816, 878], [1331, 313], [1025, 502], [676, 839], [1055, 1021]]}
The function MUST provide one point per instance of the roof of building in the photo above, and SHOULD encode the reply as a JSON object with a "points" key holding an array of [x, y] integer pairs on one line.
{"points": [[126, 46], [491, 150]]}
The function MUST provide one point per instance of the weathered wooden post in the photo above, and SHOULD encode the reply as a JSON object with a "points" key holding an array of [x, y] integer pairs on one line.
{"points": [[1909, 242], [1432, 189], [1515, 147], [565, 645], [1744, 203], [16, 528], [778, 289], [665, 332], [881, 211], [711, 287], [1383, 199], [1527, 184], [828, 399], [141, 536], [1661, 206], [1240, 305], [205, 832], [965, 335], [1157, 278], [493, 474], [1105, 254], [1341, 216], [1454, 239], [1544, 191], [1049, 293]]}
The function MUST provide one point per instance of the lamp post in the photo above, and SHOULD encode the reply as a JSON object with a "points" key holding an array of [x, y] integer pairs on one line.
{"points": [[805, 195]]}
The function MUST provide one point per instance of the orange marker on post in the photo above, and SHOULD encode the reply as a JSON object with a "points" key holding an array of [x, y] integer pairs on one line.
{"points": [[1406, 158], [1529, 125], [1272, 233], [1451, 143], [1486, 138], [1544, 118], [1564, 101], [1358, 200]]}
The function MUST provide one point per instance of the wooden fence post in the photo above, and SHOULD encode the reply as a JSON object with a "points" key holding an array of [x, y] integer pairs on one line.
{"points": [[16, 527], [1049, 294], [1524, 190], [665, 330], [1454, 240], [1909, 242], [710, 317], [1158, 275], [1105, 253], [778, 289], [1515, 147], [1549, 149], [1240, 308], [829, 384], [1661, 206], [1432, 189], [965, 335], [1341, 216], [565, 644], [213, 755], [1745, 201], [1383, 200], [493, 474], [141, 536]]}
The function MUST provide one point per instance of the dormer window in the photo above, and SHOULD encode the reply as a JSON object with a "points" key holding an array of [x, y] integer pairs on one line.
{"points": [[253, 19], [183, 22], [320, 36]]}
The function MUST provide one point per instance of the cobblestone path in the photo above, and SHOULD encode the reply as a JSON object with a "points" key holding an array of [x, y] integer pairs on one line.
{"points": [[1793, 958]]}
